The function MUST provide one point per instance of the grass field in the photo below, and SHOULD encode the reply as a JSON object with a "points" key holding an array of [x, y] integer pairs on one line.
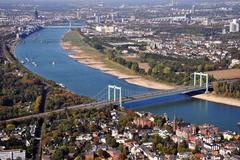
{"points": [[77, 40]]}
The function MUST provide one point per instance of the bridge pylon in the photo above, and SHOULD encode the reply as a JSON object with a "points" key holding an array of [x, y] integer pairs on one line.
{"points": [[115, 90], [201, 75]]}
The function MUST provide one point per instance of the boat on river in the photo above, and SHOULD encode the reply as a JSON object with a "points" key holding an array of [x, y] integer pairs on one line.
{"points": [[22, 61], [27, 59], [61, 85], [34, 64]]}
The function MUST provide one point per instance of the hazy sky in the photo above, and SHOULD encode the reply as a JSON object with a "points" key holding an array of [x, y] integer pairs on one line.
{"points": [[107, 2]]}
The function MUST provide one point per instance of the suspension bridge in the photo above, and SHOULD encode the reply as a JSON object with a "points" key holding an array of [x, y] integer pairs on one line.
{"points": [[118, 95]]}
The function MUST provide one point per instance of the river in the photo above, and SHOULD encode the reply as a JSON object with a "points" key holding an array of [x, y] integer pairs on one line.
{"points": [[44, 48]]}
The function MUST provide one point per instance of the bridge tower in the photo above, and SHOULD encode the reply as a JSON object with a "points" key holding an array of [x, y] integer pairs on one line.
{"points": [[201, 75], [115, 89]]}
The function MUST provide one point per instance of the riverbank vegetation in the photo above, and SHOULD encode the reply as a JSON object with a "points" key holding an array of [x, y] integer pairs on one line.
{"points": [[160, 69], [58, 98], [226, 89], [22, 92]]}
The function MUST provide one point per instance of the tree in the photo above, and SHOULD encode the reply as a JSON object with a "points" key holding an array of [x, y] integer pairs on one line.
{"points": [[156, 139], [135, 67], [37, 104], [64, 126], [103, 153], [124, 150], [111, 141], [215, 87], [77, 158], [182, 147], [167, 70], [10, 127], [109, 54], [59, 154], [200, 68]]}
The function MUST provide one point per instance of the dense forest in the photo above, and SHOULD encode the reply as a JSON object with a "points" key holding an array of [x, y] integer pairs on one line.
{"points": [[18, 92]]}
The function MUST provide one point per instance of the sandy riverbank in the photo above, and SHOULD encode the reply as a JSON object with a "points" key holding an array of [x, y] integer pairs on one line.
{"points": [[96, 62], [219, 99]]}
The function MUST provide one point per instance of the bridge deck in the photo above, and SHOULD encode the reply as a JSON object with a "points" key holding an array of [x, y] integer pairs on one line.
{"points": [[67, 27]]}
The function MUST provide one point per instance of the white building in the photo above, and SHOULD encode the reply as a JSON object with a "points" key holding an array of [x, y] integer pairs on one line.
{"points": [[86, 137], [234, 26], [234, 62], [213, 147], [106, 29], [228, 135], [12, 154]]}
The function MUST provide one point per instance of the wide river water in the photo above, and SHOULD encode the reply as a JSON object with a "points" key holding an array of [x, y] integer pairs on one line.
{"points": [[44, 48]]}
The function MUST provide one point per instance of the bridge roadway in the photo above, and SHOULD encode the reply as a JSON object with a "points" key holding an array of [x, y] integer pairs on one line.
{"points": [[182, 90], [76, 107], [67, 27], [100, 104]]}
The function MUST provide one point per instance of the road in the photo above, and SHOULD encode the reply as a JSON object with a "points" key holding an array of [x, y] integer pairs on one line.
{"points": [[76, 107]]}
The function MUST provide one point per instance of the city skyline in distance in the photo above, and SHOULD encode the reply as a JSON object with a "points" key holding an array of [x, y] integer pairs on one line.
{"points": [[116, 2]]}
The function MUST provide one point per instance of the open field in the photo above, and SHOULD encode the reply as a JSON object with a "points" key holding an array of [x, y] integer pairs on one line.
{"points": [[225, 74], [85, 54]]}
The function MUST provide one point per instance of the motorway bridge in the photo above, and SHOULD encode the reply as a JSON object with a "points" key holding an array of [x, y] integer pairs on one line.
{"points": [[113, 94], [116, 101]]}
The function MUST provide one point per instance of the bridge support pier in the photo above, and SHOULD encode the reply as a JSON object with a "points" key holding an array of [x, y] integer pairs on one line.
{"points": [[201, 75], [115, 89], [207, 84]]}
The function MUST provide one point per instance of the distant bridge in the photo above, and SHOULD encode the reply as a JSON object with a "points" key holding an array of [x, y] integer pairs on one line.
{"points": [[70, 26], [64, 27]]}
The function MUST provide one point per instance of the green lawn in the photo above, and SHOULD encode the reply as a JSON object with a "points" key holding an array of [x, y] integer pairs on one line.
{"points": [[77, 40]]}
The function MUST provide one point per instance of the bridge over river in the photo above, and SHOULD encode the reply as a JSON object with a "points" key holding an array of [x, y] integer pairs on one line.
{"points": [[113, 94]]}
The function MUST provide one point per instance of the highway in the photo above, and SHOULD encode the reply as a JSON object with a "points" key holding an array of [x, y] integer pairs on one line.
{"points": [[67, 27], [167, 92], [71, 108]]}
